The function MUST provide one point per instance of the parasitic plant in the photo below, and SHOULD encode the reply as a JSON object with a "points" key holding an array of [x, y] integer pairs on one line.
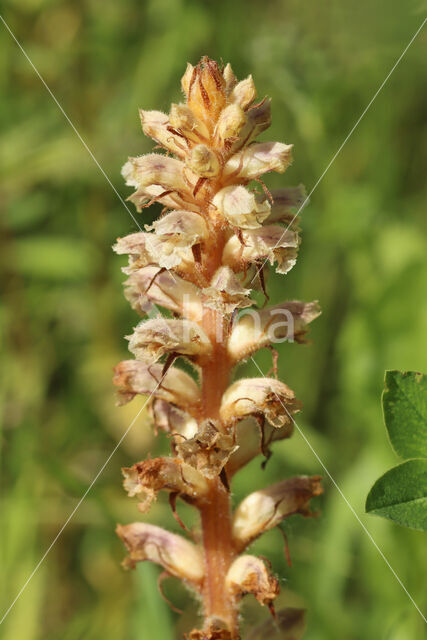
{"points": [[199, 262]]}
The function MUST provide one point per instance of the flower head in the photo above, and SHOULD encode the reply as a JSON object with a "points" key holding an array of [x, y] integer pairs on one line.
{"points": [[197, 264]]}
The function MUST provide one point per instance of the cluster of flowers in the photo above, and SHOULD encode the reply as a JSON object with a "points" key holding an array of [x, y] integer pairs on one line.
{"points": [[198, 263]]}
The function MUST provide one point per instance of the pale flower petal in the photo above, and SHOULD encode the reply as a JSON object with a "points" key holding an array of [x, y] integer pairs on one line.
{"points": [[155, 124], [265, 509], [156, 337], [203, 161], [230, 123], [155, 169], [287, 203], [135, 245], [173, 420], [258, 119], [225, 292], [244, 93], [170, 253], [190, 226], [257, 159], [186, 78], [175, 234], [269, 243], [229, 77], [133, 377], [183, 120], [143, 196], [178, 556], [256, 329], [241, 207], [153, 285]]}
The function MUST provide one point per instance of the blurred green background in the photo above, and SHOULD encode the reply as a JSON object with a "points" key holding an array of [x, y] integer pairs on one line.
{"points": [[63, 316]]}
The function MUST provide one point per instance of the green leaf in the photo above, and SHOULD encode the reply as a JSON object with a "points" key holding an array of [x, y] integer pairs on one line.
{"points": [[405, 412], [401, 495]]}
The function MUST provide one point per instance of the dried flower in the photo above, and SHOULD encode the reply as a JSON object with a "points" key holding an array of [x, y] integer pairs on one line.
{"points": [[248, 574], [208, 450], [199, 262], [265, 509], [149, 477], [265, 397]]}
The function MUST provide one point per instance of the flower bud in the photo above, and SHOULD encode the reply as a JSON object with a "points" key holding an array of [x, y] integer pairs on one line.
{"points": [[173, 420], [133, 377], [155, 169], [175, 234], [265, 509], [203, 161], [260, 157], [257, 329], [229, 77], [149, 477], [244, 93], [182, 119], [248, 574], [226, 292], [268, 243], [265, 397], [206, 92], [284, 200], [178, 556], [155, 125], [230, 123], [154, 338], [186, 78], [241, 208], [209, 449]]}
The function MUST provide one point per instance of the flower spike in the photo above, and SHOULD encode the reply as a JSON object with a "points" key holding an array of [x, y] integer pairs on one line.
{"points": [[190, 275]]}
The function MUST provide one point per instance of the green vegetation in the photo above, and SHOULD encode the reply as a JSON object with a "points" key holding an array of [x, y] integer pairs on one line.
{"points": [[62, 308], [401, 493]]}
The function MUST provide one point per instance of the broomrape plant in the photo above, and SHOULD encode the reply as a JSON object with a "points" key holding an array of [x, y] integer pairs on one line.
{"points": [[199, 261]]}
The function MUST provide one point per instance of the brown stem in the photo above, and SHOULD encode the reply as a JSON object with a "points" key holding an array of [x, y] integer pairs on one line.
{"points": [[218, 553], [216, 512]]}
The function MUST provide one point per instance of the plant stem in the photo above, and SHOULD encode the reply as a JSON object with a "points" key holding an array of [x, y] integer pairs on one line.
{"points": [[218, 553], [216, 513]]}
